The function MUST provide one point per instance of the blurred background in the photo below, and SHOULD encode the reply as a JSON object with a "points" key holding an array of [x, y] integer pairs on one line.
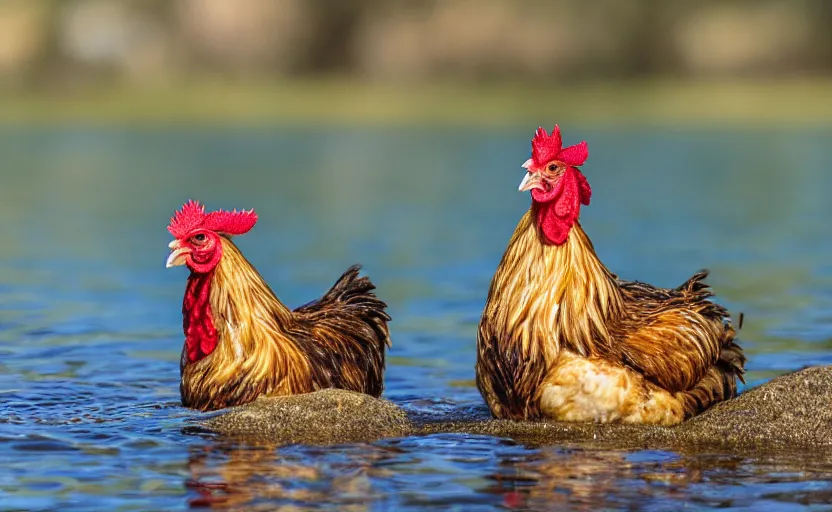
{"points": [[408, 60], [391, 133]]}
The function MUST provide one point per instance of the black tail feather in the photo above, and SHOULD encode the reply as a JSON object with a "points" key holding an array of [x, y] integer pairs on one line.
{"points": [[346, 334], [696, 284]]}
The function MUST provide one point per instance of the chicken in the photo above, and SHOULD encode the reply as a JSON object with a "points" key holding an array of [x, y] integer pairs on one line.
{"points": [[241, 342], [561, 337]]}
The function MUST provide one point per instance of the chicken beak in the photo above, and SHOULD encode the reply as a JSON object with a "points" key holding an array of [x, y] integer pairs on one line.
{"points": [[177, 256], [530, 181]]}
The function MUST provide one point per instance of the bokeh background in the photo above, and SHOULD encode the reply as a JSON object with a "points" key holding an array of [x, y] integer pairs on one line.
{"points": [[391, 133], [407, 60], [146, 41]]}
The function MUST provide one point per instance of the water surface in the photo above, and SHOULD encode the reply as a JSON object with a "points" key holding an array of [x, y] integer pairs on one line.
{"points": [[90, 322]]}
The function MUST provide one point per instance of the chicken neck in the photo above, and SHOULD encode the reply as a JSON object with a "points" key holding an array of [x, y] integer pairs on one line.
{"points": [[242, 341], [551, 297], [232, 315]]}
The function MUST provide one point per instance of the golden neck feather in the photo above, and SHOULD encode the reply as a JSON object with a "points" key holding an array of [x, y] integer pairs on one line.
{"points": [[550, 297], [251, 323]]}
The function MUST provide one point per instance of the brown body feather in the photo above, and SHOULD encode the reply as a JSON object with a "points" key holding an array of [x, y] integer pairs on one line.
{"points": [[264, 348], [562, 337]]}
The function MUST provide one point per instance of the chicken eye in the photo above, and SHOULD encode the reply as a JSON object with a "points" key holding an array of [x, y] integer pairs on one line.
{"points": [[199, 237], [553, 167]]}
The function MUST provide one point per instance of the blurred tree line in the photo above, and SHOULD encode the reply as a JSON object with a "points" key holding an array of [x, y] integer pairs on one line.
{"points": [[66, 43]]}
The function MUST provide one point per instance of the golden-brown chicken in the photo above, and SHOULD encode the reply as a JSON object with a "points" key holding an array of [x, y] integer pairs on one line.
{"points": [[241, 342], [561, 337]]}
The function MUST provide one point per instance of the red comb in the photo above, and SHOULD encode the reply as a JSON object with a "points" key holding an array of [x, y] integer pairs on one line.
{"points": [[546, 148], [192, 216]]}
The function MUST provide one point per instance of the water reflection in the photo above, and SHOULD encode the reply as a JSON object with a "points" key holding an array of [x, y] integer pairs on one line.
{"points": [[590, 480], [585, 479], [239, 476], [435, 472], [265, 477]]}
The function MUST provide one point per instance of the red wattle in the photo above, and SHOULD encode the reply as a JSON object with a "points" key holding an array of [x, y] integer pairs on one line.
{"points": [[557, 216], [197, 321], [555, 230]]}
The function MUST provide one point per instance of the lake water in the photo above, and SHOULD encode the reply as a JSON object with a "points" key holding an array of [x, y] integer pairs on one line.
{"points": [[90, 322]]}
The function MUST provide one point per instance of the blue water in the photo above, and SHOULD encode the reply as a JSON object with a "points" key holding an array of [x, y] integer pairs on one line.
{"points": [[90, 325]]}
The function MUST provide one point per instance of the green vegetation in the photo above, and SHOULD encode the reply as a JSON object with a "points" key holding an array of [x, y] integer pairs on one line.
{"points": [[793, 102]]}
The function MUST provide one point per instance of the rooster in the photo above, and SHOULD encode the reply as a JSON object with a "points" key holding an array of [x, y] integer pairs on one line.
{"points": [[562, 337], [241, 342]]}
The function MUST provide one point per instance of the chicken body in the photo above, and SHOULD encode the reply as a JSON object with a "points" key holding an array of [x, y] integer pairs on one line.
{"points": [[561, 337], [263, 348]]}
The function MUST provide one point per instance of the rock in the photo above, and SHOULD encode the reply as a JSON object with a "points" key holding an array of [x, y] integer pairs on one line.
{"points": [[550, 432], [329, 416], [789, 412]]}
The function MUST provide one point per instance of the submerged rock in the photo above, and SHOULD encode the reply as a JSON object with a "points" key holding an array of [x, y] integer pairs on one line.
{"points": [[329, 416], [792, 411]]}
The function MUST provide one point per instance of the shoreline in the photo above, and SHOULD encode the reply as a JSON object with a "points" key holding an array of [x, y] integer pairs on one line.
{"points": [[332, 102]]}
